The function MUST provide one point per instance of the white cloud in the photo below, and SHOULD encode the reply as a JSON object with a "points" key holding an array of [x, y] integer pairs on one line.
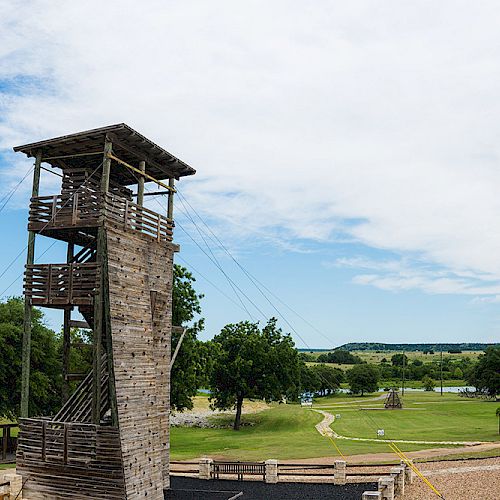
{"points": [[375, 122]]}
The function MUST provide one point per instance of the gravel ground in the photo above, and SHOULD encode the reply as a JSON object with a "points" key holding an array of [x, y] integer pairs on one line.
{"points": [[458, 480], [258, 490]]}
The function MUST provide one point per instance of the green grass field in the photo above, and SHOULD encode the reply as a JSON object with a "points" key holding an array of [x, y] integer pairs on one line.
{"points": [[288, 432]]}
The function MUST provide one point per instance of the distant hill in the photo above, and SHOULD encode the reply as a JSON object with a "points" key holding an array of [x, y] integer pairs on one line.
{"points": [[374, 346]]}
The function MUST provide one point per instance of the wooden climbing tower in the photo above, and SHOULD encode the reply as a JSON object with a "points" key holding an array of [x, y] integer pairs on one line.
{"points": [[110, 439], [393, 401]]}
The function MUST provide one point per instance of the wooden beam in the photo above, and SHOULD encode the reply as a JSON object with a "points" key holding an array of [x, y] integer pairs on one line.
{"points": [[147, 176], [30, 259], [106, 165], [170, 206], [78, 324], [140, 184], [177, 347], [67, 334]]}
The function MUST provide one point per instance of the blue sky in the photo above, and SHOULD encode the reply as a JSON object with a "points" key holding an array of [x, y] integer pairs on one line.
{"points": [[347, 155]]}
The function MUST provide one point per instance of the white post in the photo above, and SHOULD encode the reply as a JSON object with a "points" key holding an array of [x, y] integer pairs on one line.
{"points": [[205, 468], [386, 487], [271, 471], [339, 476]]}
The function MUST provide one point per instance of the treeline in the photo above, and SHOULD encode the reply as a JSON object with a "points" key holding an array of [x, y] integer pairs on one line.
{"points": [[445, 347], [340, 357]]}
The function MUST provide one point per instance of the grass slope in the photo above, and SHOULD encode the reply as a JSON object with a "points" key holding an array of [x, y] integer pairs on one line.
{"points": [[288, 432]]}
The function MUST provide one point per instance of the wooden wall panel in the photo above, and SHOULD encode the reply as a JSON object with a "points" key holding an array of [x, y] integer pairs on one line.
{"points": [[140, 269]]}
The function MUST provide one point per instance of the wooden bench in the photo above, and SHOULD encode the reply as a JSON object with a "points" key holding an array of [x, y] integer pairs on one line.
{"points": [[238, 469]]}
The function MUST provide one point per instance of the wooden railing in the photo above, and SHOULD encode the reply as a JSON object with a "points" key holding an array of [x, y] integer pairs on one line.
{"points": [[122, 211], [68, 443], [84, 210], [61, 284]]}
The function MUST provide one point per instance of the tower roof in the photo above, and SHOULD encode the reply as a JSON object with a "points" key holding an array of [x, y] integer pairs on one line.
{"points": [[128, 144]]}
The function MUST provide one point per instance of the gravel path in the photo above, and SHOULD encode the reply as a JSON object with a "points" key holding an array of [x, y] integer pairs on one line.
{"points": [[458, 480]]}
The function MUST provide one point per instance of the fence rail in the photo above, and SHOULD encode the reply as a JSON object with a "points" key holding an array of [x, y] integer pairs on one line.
{"points": [[238, 469]]}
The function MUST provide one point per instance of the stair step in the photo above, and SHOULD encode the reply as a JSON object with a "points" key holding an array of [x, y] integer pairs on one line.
{"points": [[78, 324]]}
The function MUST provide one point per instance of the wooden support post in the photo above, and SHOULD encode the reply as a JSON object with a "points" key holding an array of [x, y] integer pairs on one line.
{"points": [[140, 185], [99, 295], [30, 259], [170, 208], [4, 442], [109, 340], [106, 166], [97, 337], [67, 328]]}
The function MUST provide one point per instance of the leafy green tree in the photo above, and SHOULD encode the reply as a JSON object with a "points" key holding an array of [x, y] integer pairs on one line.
{"points": [[329, 378], [45, 376], [363, 378], [189, 371], [458, 373], [428, 383], [252, 363], [485, 376], [398, 359]]}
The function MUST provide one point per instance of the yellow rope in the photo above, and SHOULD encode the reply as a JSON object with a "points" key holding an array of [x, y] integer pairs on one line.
{"points": [[336, 447], [412, 466]]}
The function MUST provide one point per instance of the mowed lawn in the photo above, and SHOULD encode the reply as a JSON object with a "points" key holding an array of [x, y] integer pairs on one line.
{"points": [[427, 417], [288, 432]]}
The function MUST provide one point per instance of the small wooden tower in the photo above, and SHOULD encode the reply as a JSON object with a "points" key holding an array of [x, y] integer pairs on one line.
{"points": [[110, 439], [393, 401]]}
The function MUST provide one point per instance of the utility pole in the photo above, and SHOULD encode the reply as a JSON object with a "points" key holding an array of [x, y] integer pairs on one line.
{"points": [[403, 384], [441, 370]]}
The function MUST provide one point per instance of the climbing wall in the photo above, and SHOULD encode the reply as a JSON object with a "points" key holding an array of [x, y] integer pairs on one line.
{"points": [[140, 297]]}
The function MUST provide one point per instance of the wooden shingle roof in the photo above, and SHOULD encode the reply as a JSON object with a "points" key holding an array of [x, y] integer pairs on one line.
{"points": [[128, 144]]}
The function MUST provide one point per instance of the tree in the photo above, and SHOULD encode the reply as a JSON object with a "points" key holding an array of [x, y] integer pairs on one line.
{"points": [[363, 378], [485, 376], [45, 376], [329, 379], [252, 363], [189, 371], [399, 359], [458, 373], [428, 383]]}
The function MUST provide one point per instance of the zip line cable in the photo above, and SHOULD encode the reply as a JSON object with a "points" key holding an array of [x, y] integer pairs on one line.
{"points": [[222, 271], [251, 277], [10, 194], [209, 281], [246, 273], [216, 262]]}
